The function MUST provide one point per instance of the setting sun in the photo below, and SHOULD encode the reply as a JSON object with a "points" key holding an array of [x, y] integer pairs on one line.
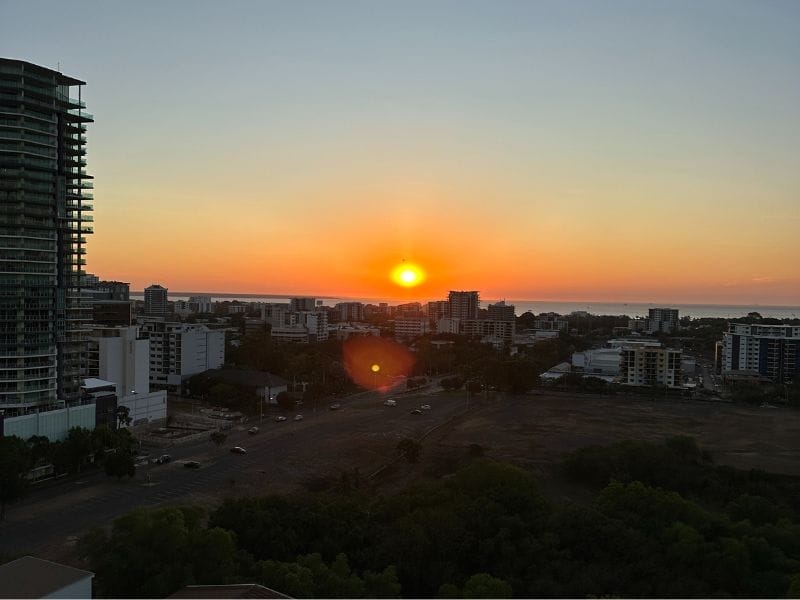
{"points": [[408, 275]]}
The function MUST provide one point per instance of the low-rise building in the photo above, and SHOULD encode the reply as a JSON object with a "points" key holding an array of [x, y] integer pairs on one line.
{"points": [[30, 577]]}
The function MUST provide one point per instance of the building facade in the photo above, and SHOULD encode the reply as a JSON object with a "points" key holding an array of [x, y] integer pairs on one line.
{"points": [[45, 200], [464, 305], [180, 350], [773, 351], [156, 303], [650, 365]]}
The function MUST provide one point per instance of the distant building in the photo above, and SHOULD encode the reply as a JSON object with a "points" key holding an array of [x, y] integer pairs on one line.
{"points": [[409, 308], [662, 320], [302, 304], [501, 311], [464, 305], [350, 311], [343, 331], [112, 313], [302, 327], [156, 303], [201, 304], [30, 577], [650, 365], [489, 331], [438, 310], [409, 326], [550, 324], [772, 351], [277, 314]]}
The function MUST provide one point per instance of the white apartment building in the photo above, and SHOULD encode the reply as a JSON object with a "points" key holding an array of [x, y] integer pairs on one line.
{"points": [[119, 355], [302, 328], [180, 350], [201, 304], [407, 327], [663, 320], [772, 351], [350, 311], [650, 365]]}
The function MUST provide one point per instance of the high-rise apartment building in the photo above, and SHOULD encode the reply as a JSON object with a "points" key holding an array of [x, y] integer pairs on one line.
{"points": [[772, 351], [45, 195], [650, 365], [663, 320], [501, 311], [156, 303], [464, 305]]}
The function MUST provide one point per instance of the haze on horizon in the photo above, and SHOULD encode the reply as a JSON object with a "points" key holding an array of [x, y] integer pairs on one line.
{"points": [[609, 151]]}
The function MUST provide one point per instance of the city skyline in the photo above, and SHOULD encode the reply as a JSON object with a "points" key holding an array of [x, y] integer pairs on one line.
{"points": [[615, 152]]}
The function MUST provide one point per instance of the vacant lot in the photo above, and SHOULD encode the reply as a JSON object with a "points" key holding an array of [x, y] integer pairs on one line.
{"points": [[538, 429]]}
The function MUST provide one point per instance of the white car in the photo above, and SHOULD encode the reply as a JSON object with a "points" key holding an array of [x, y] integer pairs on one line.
{"points": [[280, 418], [298, 417], [390, 402], [425, 407]]}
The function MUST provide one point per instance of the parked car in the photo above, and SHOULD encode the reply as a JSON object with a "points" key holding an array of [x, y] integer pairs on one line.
{"points": [[238, 450], [298, 417], [280, 418], [163, 459], [252, 430], [425, 407], [390, 402], [335, 406], [416, 411], [191, 464]]}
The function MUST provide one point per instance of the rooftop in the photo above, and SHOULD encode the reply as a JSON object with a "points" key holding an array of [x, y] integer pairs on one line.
{"points": [[30, 577]]}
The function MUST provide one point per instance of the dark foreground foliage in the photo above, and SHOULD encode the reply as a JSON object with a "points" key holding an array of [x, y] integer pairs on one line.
{"points": [[663, 523]]}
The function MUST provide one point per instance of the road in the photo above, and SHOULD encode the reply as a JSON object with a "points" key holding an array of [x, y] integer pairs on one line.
{"points": [[362, 433]]}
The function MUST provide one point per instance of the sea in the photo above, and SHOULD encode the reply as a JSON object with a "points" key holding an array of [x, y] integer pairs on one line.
{"points": [[631, 309]]}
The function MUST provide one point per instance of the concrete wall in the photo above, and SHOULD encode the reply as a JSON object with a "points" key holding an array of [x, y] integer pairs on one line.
{"points": [[53, 424], [78, 589], [146, 407]]}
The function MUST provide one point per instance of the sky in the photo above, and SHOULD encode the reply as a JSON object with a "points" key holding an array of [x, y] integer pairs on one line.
{"points": [[584, 150]]}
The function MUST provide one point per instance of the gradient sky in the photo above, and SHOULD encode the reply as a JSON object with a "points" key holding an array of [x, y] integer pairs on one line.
{"points": [[605, 151]]}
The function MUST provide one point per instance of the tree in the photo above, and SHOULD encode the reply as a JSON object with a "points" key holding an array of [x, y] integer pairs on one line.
{"points": [[123, 416], [151, 553], [76, 448], [483, 585], [15, 462], [218, 437], [119, 464]]}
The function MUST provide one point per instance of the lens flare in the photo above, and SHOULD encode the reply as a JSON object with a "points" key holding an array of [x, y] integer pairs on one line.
{"points": [[376, 363], [408, 274]]}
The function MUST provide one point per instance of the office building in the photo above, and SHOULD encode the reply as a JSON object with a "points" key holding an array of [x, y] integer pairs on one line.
{"points": [[464, 305], [156, 303], [45, 206], [771, 351]]}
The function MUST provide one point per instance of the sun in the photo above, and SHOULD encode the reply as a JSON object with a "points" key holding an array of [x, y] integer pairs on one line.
{"points": [[408, 274]]}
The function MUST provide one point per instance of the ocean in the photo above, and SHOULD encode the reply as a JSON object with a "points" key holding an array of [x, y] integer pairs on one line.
{"points": [[632, 309]]}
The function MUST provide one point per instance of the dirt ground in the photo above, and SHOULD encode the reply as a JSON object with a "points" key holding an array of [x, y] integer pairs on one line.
{"points": [[535, 431]]}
